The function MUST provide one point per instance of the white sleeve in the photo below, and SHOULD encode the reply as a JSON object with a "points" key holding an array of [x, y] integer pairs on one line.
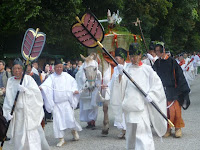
{"points": [[80, 79], [8, 101], [116, 97], [47, 94], [157, 94], [74, 98]]}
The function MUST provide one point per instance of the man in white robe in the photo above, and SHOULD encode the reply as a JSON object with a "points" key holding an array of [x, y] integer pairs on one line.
{"points": [[89, 80], [120, 57], [35, 67], [125, 97], [195, 62], [188, 69], [186, 66], [26, 130], [151, 55], [60, 95]]}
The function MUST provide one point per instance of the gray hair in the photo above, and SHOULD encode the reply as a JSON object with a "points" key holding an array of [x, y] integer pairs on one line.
{"points": [[3, 62]]}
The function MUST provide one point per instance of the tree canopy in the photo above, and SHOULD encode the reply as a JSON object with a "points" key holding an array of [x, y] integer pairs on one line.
{"points": [[177, 22]]}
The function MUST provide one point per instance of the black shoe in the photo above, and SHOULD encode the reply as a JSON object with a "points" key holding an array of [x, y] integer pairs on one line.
{"points": [[88, 126], [93, 127], [77, 106], [7, 139]]}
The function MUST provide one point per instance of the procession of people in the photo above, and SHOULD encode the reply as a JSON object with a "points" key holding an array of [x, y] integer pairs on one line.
{"points": [[166, 81], [146, 89]]}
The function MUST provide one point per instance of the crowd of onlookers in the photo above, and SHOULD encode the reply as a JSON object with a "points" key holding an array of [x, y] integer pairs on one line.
{"points": [[189, 55], [70, 67]]}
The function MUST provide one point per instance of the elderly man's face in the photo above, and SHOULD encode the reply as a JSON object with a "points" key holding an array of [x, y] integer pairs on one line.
{"points": [[58, 69], [135, 59], [17, 71], [1, 66]]}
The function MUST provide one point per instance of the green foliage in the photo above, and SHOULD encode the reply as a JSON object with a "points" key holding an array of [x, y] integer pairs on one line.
{"points": [[141, 46], [118, 29], [54, 18], [195, 14], [14, 14], [100, 7], [149, 12], [177, 22]]}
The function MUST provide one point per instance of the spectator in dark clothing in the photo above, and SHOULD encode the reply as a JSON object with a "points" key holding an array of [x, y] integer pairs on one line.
{"points": [[74, 69], [33, 75], [4, 75], [67, 69]]}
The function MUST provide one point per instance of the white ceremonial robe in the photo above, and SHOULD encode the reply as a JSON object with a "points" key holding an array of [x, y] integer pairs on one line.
{"points": [[122, 124], [125, 97], [177, 60], [26, 130], [57, 91], [35, 71], [191, 69], [88, 100], [188, 71], [149, 62], [195, 63]]}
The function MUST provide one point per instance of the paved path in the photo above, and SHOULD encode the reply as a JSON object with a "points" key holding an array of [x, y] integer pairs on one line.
{"points": [[92, 139]]}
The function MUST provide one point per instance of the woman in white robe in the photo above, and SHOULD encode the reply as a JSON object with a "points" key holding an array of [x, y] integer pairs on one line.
{"points": [[26, 130], [60, 95]]}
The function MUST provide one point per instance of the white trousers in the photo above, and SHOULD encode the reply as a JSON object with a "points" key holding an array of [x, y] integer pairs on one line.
{"points": [[139, 136], [33, 137], [32, 141], [24, 139], [44, 143], [61, 133], [121, 125], [89, 114], [195, 70]]}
